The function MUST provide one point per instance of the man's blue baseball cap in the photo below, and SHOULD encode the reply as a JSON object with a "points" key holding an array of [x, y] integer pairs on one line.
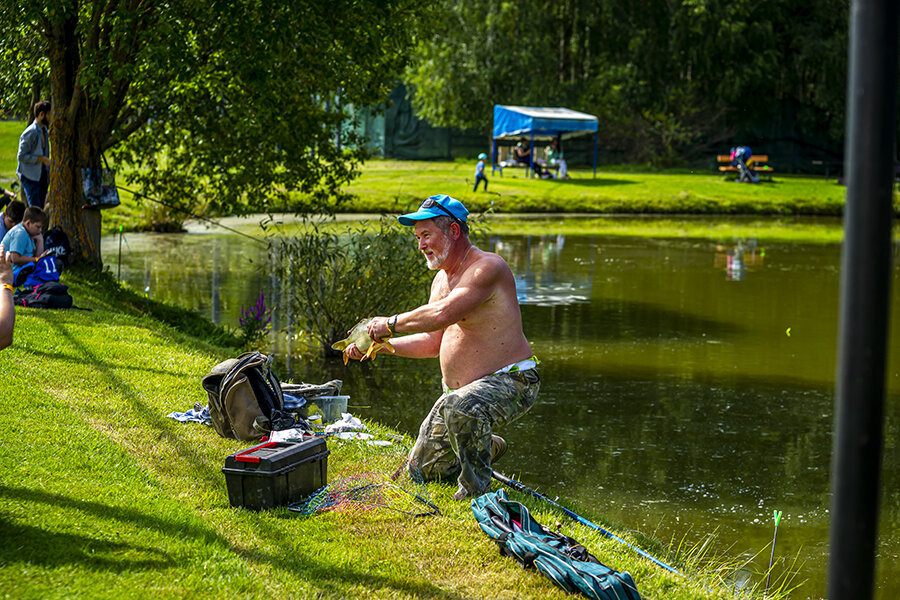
{"points": [[441, 205]]}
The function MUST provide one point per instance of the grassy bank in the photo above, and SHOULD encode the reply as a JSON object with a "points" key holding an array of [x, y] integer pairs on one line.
{"points": [[101, 496]]}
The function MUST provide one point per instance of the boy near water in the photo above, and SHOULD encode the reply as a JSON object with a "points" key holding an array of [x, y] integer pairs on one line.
{"points": [[479, 172]]}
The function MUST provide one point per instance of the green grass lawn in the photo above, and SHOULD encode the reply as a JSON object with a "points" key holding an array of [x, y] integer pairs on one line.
{"points": [[102, 496], [390, 186], [9, 146]]}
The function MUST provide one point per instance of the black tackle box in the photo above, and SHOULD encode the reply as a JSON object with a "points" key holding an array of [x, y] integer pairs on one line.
{"points": [[276, 473]]}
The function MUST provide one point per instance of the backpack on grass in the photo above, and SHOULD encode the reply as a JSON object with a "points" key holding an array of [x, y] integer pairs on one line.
{"points": [[245, 398], [45, 270], [561, 559], [52, 294], [56, 242]]}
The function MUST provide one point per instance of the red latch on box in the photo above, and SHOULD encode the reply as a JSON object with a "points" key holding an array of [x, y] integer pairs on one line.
{"points": [[242, 456]]}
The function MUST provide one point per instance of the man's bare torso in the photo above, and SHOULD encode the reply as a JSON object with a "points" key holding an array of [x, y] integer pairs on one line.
{"points": [[489, 337]]}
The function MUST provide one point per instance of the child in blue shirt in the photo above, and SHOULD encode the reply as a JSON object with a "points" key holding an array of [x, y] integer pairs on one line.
{"points": [[25, 243], [479, 172]]}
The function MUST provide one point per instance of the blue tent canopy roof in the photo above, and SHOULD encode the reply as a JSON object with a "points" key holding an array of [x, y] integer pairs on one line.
{"points": [[543, 122]]}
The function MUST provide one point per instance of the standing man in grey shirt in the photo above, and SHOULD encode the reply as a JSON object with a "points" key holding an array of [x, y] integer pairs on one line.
{"points": [[34, 156]]}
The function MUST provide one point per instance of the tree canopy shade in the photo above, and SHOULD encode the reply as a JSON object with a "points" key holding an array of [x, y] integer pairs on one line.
{"points": [[227, 104]]}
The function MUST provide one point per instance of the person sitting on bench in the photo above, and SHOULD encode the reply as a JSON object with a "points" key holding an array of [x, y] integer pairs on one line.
{"points": [[523, 156]]}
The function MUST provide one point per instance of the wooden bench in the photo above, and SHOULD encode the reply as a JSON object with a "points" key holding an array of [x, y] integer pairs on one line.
{"points": [[757, 162]]}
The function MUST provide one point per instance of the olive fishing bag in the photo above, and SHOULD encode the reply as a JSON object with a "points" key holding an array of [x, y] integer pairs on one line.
{"points": [[560, 558], [245, 398]]}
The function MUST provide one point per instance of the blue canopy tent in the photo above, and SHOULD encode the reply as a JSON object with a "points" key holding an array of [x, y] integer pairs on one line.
{"points": [[541, 123]]}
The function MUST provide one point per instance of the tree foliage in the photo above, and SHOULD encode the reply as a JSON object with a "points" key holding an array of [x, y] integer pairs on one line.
{"points": [[228, 104], [662, 76], [333, 279]]}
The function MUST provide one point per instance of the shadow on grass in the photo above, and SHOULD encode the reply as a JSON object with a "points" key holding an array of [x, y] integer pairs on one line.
{"points": [[32, 545], [113, 296], [577, 182], [53, 548], [598, 182], [167, 443], [74, 359], [27, 543], [335, 580]]}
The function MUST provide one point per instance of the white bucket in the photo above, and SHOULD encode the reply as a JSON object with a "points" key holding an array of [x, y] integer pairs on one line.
{"points": [[331, 407]]}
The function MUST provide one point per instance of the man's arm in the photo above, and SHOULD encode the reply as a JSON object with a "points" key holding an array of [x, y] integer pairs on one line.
{"points": [[7, 309], [29, 147], [418, 345], [475, 289]]}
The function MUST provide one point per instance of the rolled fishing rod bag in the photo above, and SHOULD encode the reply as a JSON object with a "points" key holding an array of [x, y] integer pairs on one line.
{"points": [[245, 398], [560, 558]]}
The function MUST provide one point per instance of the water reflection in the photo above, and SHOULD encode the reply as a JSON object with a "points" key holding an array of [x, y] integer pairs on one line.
{"points": [[739, 258], [534, 265], [673, 401]]}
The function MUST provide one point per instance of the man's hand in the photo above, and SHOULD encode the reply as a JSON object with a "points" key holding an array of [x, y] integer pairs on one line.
{"points": [[6, 276], [353, 352], [378, 329], [44, 160]]}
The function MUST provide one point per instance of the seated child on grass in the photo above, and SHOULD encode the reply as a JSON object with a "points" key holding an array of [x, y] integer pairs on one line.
{"points": [[25, 243]]}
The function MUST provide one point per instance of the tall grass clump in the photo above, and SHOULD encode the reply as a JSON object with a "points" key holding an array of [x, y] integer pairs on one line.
{"points": [[740, 574], [332, 278]]}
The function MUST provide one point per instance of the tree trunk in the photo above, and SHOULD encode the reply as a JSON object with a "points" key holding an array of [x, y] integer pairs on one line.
{"points": [[71, 147]]}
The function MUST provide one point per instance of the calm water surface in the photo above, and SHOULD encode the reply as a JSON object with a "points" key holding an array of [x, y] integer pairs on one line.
{"points": [[687, 385]]}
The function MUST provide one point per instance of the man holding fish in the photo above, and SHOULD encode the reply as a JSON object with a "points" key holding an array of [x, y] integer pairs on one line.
{"points": [[473, 323]]}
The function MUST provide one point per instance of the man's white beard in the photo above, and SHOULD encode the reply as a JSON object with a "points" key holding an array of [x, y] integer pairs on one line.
{"points": [[435, 260]]}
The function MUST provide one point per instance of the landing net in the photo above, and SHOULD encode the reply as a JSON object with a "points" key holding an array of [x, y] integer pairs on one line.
{"points": [[402, 491]]}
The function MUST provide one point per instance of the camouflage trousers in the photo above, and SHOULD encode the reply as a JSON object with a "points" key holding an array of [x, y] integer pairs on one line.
{"points": [[455, 438]]}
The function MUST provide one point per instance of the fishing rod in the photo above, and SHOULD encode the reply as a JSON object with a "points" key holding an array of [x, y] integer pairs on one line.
{"points": [[522, 488], [190, 214], [777, 516]]}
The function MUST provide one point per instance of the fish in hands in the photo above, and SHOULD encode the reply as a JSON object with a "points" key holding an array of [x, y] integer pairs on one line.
{"points": [[359, 336]]}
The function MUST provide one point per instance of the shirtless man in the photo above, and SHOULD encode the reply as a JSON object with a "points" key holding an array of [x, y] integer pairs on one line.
{"points": [[472, 322]]}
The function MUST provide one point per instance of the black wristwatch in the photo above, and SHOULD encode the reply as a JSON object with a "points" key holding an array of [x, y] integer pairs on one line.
{"points": [[392, 324]]}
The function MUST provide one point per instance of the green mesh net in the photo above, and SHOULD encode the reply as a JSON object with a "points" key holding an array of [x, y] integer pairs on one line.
{"points": [[401, 490]]}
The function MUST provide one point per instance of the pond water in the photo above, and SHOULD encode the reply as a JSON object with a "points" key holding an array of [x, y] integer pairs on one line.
{"points": [[687, 385]]}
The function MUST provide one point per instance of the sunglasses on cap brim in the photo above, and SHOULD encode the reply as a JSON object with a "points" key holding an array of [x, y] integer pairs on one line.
{"points": [[432, 203]]}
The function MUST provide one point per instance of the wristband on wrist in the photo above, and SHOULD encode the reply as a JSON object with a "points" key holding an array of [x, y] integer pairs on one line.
{"points": [[392, 324], [10, 288]]}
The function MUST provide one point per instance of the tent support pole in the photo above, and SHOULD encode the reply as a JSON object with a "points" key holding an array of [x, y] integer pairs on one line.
{"points": [[866, 275], [494, 155], [531, 157], [596, 134]]}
